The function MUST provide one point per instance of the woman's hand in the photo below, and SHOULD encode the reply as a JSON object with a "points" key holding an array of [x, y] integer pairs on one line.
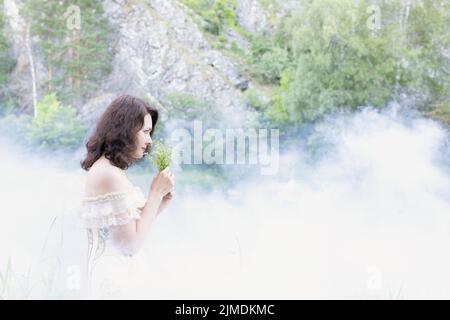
{"points": [[162, 184], [165, 201]]}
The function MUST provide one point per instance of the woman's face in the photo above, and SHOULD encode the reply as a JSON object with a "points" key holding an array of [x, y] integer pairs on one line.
{"points": [[143, 139]]}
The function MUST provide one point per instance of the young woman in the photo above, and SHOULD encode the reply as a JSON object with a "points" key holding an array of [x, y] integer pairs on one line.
{"points": [[116, 213]]}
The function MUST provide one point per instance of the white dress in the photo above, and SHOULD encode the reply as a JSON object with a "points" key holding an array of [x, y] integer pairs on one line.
{"points": [[111, 274]]}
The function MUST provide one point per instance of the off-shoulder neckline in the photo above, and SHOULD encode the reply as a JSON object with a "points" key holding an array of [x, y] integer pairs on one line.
{"points": [[112, 194]]}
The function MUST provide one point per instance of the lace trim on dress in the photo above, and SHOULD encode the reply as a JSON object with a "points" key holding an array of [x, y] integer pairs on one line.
{"points": [[112, 209], [112, 195]]}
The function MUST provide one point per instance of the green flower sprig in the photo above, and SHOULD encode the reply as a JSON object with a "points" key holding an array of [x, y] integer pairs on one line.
{"points": [[162, 156]]}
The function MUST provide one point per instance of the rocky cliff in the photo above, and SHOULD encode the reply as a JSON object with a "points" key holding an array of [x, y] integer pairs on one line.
{"points": [[158, 48]]}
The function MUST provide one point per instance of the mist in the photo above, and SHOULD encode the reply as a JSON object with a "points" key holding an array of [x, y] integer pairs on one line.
{"points": [[359, 209]]}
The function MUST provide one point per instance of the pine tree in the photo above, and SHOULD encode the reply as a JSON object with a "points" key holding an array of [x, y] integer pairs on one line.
{"points": [[73, 38], [88, 59], [46, 20]]}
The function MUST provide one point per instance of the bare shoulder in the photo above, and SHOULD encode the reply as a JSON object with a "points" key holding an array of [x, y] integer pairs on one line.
{"points": [[103, 178]]}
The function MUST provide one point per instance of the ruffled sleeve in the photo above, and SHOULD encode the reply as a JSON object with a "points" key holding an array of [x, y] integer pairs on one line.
{"points": [[112, 209]]}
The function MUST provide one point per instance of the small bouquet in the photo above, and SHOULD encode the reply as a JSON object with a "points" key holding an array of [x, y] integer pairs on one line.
{"points": [[162, 156]]}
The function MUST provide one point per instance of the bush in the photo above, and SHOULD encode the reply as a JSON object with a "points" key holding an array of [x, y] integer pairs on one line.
{"points": [[442, 112], [271, 64], [7, 106], [189, 108], [56, 125], [16, 127], [218, 14], [253, 99]]}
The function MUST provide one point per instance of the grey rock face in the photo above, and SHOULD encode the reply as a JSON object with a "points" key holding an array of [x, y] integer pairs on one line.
{"points": [[93, 109], [251, 16], [257, 16], [159, 49]]}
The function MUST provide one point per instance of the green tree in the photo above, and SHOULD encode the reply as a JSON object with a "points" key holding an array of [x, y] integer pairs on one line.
{"points": [[338, 59], [73, 38], [6, 61], [46, 20], [339, 62], [428, 39], [88, 58]]}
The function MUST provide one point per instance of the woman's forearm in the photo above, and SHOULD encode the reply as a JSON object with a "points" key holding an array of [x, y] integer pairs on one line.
{"points": [[148, 216], [130, 237]]}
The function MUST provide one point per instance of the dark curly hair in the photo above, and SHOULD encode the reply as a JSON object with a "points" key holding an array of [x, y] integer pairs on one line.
{"points": [[115, 133]]}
